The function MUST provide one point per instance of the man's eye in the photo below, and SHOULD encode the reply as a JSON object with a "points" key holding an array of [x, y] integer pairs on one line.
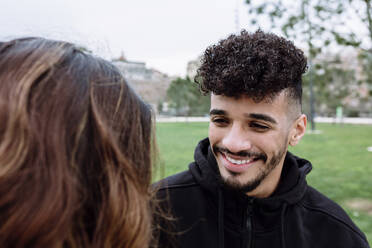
{"points": [[219, 121], [259, 126]]}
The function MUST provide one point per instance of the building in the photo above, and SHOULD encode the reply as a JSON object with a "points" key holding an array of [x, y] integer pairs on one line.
{"points": [[150, 84]]}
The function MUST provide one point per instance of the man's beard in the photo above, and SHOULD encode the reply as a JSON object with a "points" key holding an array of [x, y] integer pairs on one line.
{"points": [[232, 183]]}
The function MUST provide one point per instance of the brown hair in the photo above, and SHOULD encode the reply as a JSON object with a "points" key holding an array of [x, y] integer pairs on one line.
{"points": [[258, 65], [76, 147]]}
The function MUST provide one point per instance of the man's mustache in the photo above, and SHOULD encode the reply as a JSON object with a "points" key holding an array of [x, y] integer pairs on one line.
{"points": [[256, 155]]}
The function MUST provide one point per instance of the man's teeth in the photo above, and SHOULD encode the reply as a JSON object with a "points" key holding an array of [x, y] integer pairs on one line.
{"points": [[234, 161]]}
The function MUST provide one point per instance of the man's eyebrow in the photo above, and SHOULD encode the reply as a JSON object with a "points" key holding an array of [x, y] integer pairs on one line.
{"points": [[262, 117], [217, 112]]}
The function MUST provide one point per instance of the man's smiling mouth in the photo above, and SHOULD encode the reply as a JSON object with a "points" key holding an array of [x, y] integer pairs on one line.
{"points": [[238, 161], [235, 165]]}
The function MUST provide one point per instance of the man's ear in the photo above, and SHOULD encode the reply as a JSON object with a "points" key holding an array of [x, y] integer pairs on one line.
{"points": [[298, 130]]}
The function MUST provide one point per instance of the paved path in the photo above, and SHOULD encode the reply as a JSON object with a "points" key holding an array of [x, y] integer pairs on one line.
{"points": [[344, 120]]}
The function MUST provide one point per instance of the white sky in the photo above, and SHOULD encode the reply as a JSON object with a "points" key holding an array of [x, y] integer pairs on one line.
{"points": [[165, 34]]}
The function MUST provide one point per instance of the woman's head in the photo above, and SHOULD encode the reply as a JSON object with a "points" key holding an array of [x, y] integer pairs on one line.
{"points": [[75, 150]]}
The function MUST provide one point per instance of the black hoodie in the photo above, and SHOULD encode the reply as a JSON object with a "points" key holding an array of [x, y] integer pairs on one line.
{"points": [[206, 214]]}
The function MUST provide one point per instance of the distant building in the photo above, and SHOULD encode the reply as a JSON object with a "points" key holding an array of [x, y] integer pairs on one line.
{"points": [[150, 84], [134, 70]]}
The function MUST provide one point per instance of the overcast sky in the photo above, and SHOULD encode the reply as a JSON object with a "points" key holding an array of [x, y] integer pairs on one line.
{"points": [[165, 34]]}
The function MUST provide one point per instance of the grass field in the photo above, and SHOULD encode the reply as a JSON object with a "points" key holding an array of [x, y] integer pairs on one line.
{"points": [[342, 166]]}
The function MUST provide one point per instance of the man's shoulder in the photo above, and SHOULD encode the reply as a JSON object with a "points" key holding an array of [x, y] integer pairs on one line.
{"points": [[180, 180], [320, 205], [316, 201]]}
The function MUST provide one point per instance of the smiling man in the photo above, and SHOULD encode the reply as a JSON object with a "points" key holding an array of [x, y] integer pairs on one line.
{"points": [[245, 189], [249, 140]]}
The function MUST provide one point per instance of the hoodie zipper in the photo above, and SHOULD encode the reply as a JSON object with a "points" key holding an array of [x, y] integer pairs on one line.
{"points": [[248, 223]]}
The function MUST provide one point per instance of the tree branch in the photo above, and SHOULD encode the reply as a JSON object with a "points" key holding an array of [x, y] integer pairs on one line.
{"points": [[369, 17]]}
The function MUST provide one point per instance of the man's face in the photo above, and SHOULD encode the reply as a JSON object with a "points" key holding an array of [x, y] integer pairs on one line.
{"points": [[249, 139]]}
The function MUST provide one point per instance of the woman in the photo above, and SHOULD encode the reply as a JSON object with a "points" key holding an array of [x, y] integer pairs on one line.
{"points": [[75, 150]]}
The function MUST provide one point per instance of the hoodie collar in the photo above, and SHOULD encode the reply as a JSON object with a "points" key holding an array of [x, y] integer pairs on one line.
{"points": [[291, 188]]}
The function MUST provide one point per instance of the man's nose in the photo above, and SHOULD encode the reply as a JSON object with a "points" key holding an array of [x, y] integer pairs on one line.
{"points": [[237, 140]]}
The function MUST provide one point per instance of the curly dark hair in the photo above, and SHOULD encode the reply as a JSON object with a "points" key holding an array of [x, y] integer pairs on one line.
{"points": [[259, 65]]}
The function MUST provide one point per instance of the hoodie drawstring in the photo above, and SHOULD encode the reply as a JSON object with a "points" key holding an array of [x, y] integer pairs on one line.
{"points": [[221, 237], [284, 208]]}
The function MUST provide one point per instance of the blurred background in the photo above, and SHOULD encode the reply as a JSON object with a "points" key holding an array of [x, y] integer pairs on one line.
{"points": [[159, 43], [158, 46]]}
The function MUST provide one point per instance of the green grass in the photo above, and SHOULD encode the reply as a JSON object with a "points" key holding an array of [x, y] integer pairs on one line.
{"points": [[342, 166], [177, 142]]}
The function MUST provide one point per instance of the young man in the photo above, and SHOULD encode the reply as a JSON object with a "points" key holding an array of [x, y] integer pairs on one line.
{"points": [[245, 189]]}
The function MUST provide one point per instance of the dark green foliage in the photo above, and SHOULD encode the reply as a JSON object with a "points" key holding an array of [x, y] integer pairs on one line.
{"points": [[185, 98]]}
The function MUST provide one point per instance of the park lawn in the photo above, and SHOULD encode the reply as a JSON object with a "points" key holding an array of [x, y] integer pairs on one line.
{"points": [[342, 166]]}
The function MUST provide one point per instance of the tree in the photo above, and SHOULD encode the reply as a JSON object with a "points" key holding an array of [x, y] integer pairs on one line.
{"points": [[365, 60], [345, 22], [318, 24], [329, 95], [185, 98]]}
